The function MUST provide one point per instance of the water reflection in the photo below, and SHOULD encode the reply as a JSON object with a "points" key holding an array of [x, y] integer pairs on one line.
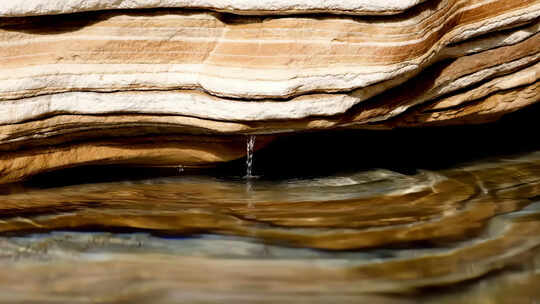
{"points": [[470, 230]]}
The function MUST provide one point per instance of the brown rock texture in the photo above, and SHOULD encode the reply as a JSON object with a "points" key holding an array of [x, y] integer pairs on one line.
{"points": [[114, 82]]}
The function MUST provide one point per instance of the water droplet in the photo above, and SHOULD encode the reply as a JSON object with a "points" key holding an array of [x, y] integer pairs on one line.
{"points": [[249, 160]]}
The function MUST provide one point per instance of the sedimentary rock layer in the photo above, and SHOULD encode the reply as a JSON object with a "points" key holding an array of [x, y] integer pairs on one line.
{"points": [[259, 7], [181, 151], [237, 57], [68, 81], [196, 104], [502, 69]]}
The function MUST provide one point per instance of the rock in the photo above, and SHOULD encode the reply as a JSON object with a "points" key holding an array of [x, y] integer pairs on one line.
{"points": [[130, 51], [348, 7], [173, 151], [74, 85]]}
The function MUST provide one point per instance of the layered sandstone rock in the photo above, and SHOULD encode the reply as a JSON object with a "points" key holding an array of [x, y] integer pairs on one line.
{"points": [[354, 7], [75, 87]]}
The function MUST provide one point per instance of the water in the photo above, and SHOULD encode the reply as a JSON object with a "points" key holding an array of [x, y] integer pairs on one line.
{"points": [[249, 156], [347, 237]]}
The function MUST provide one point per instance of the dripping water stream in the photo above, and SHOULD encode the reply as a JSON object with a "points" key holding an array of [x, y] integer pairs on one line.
{"points": [[249, 160], [249, 167]]}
